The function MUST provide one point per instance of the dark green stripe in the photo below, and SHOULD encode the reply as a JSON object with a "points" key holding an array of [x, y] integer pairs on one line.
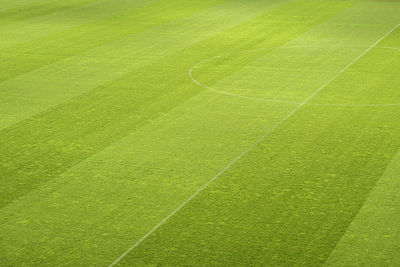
{"points": [[38, 8]]}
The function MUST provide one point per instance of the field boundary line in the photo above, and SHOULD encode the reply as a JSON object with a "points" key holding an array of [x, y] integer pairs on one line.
{"points": [[259, 140]]}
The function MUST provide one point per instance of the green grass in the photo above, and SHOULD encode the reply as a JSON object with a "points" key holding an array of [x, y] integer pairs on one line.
{"points": [[103, 134]]}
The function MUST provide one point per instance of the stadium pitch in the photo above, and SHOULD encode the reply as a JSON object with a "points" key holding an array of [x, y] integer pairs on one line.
{"points": [[200, 133]]}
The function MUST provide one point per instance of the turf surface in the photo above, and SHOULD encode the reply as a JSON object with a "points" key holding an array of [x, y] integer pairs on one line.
{"points": [[114, 113]]}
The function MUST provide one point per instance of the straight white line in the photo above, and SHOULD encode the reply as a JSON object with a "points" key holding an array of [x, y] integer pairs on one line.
{"points": [[390, 47], [249, 148]]}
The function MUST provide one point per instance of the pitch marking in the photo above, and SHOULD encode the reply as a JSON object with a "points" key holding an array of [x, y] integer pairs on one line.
{"points": [[248, 149], [283, 101]]}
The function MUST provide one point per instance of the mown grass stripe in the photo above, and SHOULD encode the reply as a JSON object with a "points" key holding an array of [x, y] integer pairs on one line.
{"points": [[15, 33], [35, 9]]}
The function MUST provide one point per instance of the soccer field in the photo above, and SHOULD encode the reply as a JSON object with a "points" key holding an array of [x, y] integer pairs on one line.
{"points": [[200, 132]]}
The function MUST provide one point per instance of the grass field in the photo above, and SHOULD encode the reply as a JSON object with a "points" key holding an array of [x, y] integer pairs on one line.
{"points": [[210, 132]]}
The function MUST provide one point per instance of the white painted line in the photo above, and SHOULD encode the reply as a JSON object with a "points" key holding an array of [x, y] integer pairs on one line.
{"points": [[342, 46], [248, 149], [231, 94], [284, 101], [390, 47]]}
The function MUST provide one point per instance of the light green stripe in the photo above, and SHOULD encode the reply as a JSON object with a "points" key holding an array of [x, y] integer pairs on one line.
{"points": [[6, 4], [36, 9], [37, 27]]}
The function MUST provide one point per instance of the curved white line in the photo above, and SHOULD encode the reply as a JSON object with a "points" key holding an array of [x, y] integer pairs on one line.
{"points": [[228, 93], [275, 100]]}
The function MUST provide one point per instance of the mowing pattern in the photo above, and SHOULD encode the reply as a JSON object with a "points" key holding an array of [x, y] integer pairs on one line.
{"points": [[114, 113]]}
